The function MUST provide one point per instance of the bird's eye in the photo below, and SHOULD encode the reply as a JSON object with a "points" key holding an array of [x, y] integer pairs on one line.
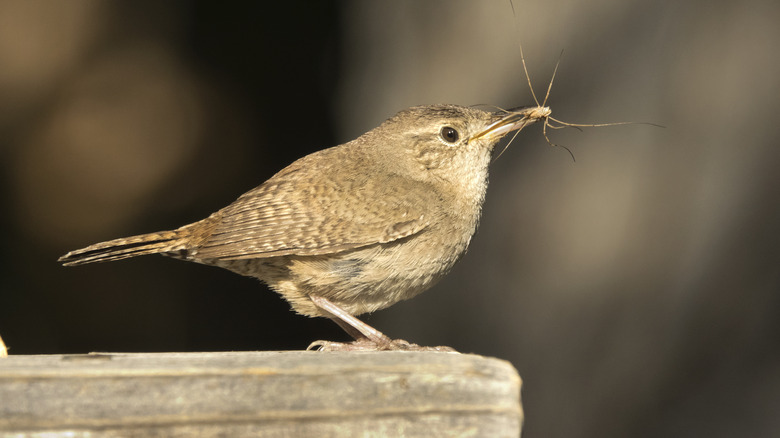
{"points": [[449, 134]]}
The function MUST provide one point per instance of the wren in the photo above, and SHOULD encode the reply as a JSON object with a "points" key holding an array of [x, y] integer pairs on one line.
{"points": [[353, 228]]}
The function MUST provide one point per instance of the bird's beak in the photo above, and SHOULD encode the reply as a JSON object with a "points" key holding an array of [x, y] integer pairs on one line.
{"points": [[513, 120]]}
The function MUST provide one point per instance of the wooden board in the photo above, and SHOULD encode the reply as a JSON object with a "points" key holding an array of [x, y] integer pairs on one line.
{"points": [[296, 393]]}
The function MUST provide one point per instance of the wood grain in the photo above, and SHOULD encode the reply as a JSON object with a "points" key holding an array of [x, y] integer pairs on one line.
{"points": [[302, 394]]}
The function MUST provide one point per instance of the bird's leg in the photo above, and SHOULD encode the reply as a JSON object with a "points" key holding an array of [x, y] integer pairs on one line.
{"points": [[366, 337], [359, 330]]}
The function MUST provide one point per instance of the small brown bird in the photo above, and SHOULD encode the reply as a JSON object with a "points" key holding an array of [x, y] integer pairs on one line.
{"points": [[354, 228]]}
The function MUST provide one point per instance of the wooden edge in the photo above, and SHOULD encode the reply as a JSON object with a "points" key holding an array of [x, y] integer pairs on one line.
{"points": [[304, 393]]}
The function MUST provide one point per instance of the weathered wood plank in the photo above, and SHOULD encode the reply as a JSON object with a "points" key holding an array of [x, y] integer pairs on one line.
{"points": [[298, 394]]}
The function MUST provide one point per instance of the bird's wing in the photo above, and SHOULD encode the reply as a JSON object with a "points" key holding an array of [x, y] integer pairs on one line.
{"points": [[327, 211]]}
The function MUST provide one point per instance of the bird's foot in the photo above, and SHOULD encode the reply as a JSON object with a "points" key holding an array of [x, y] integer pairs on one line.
{"points": [[366, 337], [369, 345]]}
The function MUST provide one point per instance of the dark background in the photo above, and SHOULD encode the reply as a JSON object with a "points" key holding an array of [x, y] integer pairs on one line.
{"points": [[637, 290]]}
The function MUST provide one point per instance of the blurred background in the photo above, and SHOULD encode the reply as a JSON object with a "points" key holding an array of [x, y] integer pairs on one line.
{"points": [[637, 290]]}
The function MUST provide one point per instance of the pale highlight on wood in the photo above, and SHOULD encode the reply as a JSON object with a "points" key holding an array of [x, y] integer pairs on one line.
{"points": [[277, 394]]}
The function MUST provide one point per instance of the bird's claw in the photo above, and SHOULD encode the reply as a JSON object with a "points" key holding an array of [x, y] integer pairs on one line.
{"points": [[368, 345]]}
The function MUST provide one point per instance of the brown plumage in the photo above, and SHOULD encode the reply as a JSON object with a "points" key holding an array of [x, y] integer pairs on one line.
{"points": [[362, 225]]}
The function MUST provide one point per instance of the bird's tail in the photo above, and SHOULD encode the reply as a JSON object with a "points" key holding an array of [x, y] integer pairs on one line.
{"points": [[126, 247]]}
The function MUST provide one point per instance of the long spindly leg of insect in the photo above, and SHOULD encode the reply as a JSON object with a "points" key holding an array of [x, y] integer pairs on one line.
{"points": [[544, 132], [552, 79], [514, 136]]}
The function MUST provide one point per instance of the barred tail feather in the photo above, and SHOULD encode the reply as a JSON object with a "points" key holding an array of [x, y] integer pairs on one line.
{"points": [[118, 249]]}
